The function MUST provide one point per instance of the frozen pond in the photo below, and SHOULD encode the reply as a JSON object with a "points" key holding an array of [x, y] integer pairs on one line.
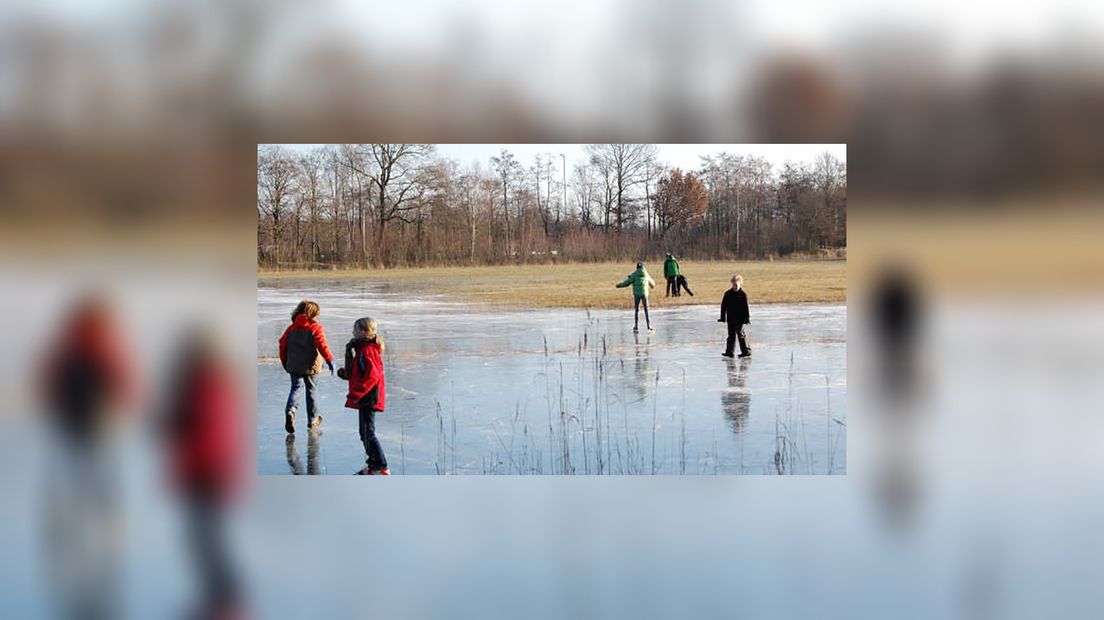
{"points": [[564, 391]]}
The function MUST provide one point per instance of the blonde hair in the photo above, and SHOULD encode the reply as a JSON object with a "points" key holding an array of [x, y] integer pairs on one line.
{"points": [[367, 326], [739, 278], [306, 307]]}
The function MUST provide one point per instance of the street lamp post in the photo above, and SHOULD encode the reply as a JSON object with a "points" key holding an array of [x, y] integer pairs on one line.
{"points": [[563, 202]]}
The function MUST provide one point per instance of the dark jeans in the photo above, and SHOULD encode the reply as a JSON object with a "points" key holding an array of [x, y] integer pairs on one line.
{"points": [[372, 447], [312, 404], [736, 331], [211, 553], [637, 300], [672, 286]]}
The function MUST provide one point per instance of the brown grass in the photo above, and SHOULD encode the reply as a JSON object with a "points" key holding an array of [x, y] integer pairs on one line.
{"points": [[592, 284]]}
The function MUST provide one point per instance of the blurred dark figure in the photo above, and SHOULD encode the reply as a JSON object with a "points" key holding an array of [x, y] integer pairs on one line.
{"points": [[293, 460], [895, 315], [204, 440], [736, 400], [87, 376], [86, 382]]}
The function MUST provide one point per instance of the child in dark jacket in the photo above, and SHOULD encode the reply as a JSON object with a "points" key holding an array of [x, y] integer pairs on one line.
{"points": [[680, 283], [303, 349], [367, 389]]}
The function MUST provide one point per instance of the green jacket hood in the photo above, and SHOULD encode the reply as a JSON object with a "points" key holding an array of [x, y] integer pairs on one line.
{"points": [[670, 266]]}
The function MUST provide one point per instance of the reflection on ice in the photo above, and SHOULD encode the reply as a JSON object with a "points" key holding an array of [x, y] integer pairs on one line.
{"points": [[736, 400], [567, 391], [295, 465]]}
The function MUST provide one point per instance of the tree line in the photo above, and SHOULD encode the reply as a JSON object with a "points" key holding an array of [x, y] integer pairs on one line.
{"points": [[388, 205]]}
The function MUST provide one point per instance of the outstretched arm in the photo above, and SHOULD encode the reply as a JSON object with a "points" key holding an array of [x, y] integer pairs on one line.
{"points": [[627, 281]]}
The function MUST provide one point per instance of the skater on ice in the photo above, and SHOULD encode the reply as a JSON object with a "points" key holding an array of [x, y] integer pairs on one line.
{"points": [[367, 389], [303, 351], [734, 311], [641, 282]]}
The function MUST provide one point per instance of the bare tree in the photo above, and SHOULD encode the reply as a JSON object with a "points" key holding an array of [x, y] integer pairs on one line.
{"points": [[507, 168], [310, 170], [543, 208], [466, 186], [394, 173], [276, 172], [334, 181], [584, 194], [830, 175], [387, 204], [627, 165]]}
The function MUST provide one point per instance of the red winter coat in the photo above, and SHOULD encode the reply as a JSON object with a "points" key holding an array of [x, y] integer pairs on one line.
{"points": [[205, 434], [87, 373], [364, 372], [301, 343]]}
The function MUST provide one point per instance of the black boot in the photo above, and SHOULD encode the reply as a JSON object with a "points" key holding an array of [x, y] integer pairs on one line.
{"points": [[289, 422]]}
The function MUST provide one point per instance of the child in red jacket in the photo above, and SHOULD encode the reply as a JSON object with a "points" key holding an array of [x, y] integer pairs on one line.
{"points": [[303, 349], [367, 394], [203, 433]]}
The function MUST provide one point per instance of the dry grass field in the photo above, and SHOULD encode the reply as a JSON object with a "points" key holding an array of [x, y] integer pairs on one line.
{"points": [[591, 285]]}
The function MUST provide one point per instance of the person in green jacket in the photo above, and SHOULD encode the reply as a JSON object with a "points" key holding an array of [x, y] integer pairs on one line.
{"points": [[671, 272], [641, 281]]}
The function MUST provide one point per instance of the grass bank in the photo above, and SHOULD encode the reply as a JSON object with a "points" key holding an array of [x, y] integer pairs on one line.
{"points": [[583, 285]]}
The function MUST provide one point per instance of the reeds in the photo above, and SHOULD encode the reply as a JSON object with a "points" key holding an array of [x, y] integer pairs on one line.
{"points": [[582, 435]]}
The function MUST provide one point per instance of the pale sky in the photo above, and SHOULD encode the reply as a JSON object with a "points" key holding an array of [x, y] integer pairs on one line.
{"points": [[685, 156]]}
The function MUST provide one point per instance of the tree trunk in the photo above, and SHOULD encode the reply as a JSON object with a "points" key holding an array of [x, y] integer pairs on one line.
{"points": [[738, 221], [471, 218], [276, 241], [314, 225], [506, 214], [381, 243], [298, 239]]}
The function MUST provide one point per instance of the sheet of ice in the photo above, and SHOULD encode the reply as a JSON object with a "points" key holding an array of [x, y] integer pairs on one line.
{"points": [[473, 390]]}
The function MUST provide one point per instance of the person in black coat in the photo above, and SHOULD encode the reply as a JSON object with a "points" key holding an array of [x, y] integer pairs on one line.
{"points": [[734, 311], [680, 283]]}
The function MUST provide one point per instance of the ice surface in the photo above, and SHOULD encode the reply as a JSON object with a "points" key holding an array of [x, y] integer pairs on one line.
{"points": [[473, 390]]}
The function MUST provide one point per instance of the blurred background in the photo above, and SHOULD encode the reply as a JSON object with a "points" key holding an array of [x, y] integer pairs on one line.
{"points": [[128, 136]]}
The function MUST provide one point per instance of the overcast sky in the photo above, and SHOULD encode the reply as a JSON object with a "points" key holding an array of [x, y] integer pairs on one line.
{"points": [[685, 156]]}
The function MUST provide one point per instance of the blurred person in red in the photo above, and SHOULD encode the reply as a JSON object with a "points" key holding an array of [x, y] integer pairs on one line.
{"points": [[205, 448], [86, 382], [87, 377]]}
